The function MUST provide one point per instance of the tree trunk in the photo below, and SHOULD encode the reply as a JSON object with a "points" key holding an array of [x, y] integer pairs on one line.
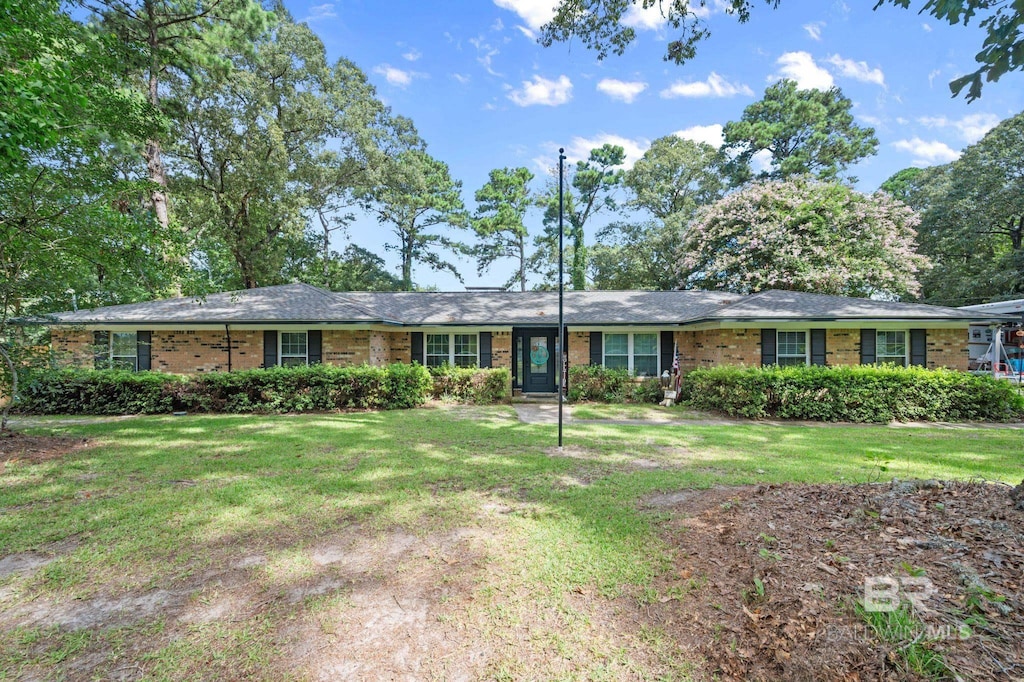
{"points": [[14, 388], [522, 264]]}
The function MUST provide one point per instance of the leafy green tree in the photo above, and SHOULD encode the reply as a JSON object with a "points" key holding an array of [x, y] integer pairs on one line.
{"points": [[419, 197], [641, 255], [599, 25], [676, 176], [803, 235], [805, 131], [354, 269], [169, 40], [502, 204], [972, 219], [286, 136], [589, 191]]}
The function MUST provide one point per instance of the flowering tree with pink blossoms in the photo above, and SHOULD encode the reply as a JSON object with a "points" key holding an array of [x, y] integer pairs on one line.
{"points": [[803, 235]]}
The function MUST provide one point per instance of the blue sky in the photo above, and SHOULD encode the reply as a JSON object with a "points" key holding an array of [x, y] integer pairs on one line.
{"points": [[484, 94]]}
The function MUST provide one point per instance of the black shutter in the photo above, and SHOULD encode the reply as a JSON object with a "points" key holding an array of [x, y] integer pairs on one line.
{"points": [[143, 349], [768, 347], [416, 345], [485, 350], [101, 350], [596, 349], [269, 348], [818, 347], [313, 346], [667, 347], [867, 347], [919, 347]]}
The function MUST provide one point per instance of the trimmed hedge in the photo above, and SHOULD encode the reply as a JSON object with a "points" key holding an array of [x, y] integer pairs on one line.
{"points": [[471, 385], [300, 389], [854, 394], [600, 384]]}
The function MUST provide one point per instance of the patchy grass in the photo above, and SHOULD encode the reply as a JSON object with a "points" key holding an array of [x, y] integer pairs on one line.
{"points": [[656, 413], [293, 547]]}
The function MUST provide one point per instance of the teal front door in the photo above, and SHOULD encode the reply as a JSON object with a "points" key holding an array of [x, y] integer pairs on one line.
{"points": [[536, 359]]}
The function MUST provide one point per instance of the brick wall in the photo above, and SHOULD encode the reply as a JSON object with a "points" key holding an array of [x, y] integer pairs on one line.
{"points": [[842, 347], [727, 347], [72, 347], [948, 348], [501, 350], [579, 349], [193, 352], [346, 348], [400, 344]]}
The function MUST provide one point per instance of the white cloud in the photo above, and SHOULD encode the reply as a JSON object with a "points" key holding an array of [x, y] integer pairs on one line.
{"points": [[543, 91], [927, 153], [498, 25], [859, 71], [926, 27], [627, 91], [485, 54], [714, 86], [970, 128], [711, 134], [461, 77], [814, 29], [761, 161], [395, 76], [579, 148], [535, 13], [649, 19], [800, 67], [931, 76], [870, 120], [703, 11], [324, 11], [412, 55]]}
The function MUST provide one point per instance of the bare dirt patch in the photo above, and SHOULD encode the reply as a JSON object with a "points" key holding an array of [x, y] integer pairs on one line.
{"points": [[811, 547], [17, 446]]}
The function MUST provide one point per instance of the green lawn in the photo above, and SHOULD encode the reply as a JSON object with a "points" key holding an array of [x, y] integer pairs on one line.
{"points": [[501, 535]]}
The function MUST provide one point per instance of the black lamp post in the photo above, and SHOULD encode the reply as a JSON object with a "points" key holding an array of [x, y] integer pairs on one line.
{"points": [[561, 295]]}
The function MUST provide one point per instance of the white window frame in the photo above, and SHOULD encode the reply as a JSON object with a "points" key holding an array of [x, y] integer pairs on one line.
{"points": [[114, 358], [280, 348], [778, 346], [630, 352], [906, 346], [449, 357]]}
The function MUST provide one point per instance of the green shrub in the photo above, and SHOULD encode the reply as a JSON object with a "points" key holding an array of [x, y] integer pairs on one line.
{"points": [[279, 389], [856, 394], [600, 384], [105, 391], [471, 385]]}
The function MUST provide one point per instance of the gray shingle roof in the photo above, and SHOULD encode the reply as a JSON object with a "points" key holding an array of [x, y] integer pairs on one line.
{"points": [[792, 305], [285, 303], [541, 307], [302, 303]]}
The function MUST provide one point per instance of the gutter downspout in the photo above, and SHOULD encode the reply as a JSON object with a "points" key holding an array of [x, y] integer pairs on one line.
{"points": [[227, 333]]}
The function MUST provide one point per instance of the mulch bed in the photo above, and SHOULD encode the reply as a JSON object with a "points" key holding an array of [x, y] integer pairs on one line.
{"points": [[811, 547]]}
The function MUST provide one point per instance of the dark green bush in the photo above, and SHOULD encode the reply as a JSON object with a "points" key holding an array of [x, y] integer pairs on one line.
{"points": [[854, 394], [471, 385], [300, 389], [600, 384], [103, 391]]}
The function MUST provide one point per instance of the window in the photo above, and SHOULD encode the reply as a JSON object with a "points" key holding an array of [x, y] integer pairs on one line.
{"points": [[636, 353], [459, 350], [124, 351], [891, 347], [294, 350], [465, 350], [791, 349], [616, 351]]}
